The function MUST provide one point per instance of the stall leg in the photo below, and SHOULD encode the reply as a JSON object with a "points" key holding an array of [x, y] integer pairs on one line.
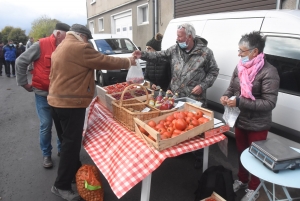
{"points": [[205, 158], [146, 185]]}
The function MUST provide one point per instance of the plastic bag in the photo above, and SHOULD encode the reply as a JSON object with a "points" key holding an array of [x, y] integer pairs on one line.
{"points": [[135, 74], [231, 114]]}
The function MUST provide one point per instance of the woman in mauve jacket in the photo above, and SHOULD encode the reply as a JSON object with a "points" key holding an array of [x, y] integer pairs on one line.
{"points": [[255, 84]]}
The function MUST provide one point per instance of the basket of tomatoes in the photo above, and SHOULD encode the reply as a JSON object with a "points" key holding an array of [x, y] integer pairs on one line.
{"points": [[173, 128]]}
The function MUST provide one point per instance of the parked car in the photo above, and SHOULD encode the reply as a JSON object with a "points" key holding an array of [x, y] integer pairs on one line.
{"points": [[116, 46], [282, 50]]}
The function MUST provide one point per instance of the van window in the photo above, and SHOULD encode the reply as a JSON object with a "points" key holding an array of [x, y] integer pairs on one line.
{"points": [[284, 54], [115, 46]]}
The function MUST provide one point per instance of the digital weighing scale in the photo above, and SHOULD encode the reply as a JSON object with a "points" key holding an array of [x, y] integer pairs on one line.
{"points": [[275, 155]]}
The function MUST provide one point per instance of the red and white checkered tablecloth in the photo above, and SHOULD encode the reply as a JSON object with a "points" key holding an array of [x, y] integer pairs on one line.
{"points": [[124, 158]]}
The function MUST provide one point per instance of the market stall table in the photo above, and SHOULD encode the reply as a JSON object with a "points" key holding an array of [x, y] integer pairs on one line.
{"points": [[125, 159]]}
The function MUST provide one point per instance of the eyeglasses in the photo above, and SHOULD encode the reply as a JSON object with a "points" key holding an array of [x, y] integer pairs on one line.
{"points": [[180, 27], [242, 51]]}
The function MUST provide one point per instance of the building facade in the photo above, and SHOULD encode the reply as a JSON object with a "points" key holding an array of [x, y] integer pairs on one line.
{"points": [[140, 20]]}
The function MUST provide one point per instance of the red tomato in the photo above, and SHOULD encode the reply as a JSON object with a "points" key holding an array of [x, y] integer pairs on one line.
{"points": [[189, 127], [170, 118], [170, 129], [167, 134], [198, 114], [163, 137], [195, 123], [190, 114], [142, 130], [161, 130], [162, 122], [180, 124], [158, 126], [181, 115], [152, 123]]}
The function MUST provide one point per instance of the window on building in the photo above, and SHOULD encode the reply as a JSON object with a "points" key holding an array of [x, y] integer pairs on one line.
{"points": [[143, 14], [100, 24], [284, 54], [92, 27]]}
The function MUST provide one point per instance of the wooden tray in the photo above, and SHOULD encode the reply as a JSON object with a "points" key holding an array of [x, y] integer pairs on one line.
{"points": [[160, 144]]}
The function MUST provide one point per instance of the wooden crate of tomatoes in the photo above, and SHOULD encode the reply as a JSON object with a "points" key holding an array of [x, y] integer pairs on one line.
{"points": [[173, 128]]}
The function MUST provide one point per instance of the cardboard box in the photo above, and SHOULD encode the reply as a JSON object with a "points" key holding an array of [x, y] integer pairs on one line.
{"points": [[214, 196], [160, 144]]}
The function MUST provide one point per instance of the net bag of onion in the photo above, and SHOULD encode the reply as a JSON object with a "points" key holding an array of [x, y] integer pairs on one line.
{"points": [[88, 183]]}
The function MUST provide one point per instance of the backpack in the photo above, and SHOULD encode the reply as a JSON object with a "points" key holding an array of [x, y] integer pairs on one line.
{"points": [[215, 179]]}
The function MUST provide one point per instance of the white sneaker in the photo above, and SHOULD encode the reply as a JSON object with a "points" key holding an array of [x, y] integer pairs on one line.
{"points": [[237, 185], [249, 194], [66, 194]]}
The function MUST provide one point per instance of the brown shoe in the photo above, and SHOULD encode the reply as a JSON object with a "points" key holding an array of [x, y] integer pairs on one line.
{"points": [[47, 162]]}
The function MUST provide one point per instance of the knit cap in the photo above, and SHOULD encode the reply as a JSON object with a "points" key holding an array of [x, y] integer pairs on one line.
{"points": [[155, 42]]}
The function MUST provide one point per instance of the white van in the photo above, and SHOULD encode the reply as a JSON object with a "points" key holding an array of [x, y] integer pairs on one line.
{"points": [[223, 32], [116, 46]]}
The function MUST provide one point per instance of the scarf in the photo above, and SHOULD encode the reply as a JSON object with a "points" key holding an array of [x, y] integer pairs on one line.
{"points": [[247, 72]]}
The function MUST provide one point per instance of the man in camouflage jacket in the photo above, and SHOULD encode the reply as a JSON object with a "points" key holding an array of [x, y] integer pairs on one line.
{"points": [[193, 65]]}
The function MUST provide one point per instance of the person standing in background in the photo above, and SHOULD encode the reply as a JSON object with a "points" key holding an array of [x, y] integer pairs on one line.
{"points": [[2, 60], [40, 54], [157, 74], [29, 43], [10, 55], [20, 49]]}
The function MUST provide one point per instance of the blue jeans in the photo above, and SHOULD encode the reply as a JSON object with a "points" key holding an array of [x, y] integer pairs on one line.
{"points": [[43, 111]]}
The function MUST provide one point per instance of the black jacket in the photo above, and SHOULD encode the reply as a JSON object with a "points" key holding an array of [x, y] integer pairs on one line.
{"points": [[256, 115], [158, 74]]}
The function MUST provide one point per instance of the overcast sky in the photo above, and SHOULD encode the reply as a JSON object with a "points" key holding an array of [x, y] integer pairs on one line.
{"points": [[21, 13]]}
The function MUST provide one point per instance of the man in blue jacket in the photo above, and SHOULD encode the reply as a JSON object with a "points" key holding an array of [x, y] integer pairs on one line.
{"points": [[10, 54]]}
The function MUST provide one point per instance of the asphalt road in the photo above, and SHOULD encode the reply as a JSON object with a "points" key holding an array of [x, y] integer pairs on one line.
{"points": [[22, 176]]}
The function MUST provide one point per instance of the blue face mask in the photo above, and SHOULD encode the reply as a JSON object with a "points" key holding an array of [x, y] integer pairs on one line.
{"points": [[245, 59], [10, 44], [183, 45]]}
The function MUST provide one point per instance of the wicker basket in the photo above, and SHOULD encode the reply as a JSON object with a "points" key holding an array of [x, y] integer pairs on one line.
{"points": [[124, 111]]}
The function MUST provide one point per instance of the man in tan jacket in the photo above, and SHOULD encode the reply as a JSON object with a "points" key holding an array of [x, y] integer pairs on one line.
{"points": [[71, 90]]}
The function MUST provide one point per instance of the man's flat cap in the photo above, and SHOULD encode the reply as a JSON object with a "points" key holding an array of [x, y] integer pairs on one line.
{"points": [[81, 29], [62, 27]]}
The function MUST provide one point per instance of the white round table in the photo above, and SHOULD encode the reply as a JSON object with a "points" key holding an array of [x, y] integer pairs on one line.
{"points": [[284, 178]]}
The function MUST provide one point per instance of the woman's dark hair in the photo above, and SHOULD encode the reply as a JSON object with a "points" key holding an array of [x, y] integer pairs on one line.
{"points": [[253, 40]]}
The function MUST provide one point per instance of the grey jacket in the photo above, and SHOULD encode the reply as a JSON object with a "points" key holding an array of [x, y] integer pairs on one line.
{"points": [[256, 115], [188, 69], [22, 62]]}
